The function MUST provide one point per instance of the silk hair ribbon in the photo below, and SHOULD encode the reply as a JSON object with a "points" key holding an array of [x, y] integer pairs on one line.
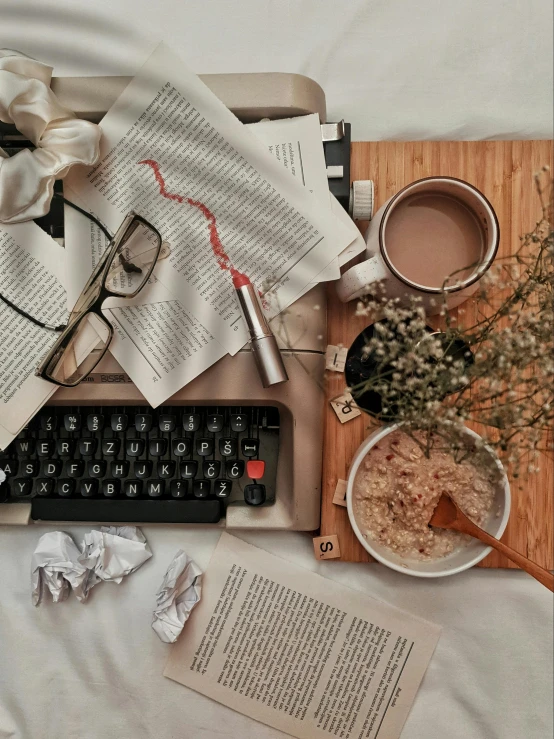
{"points": [[61, 139]]}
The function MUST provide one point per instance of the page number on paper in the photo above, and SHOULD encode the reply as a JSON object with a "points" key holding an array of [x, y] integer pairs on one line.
{"points": [[327, 547]]}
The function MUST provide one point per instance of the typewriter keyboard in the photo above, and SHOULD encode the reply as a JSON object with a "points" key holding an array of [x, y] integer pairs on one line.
{"points": [[174, 464]]}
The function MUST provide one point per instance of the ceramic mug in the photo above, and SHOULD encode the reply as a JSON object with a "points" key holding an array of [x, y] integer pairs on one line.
{"points": [[378, 266]]}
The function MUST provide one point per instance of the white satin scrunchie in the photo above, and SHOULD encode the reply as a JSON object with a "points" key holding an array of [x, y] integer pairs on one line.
{"points": [[62, 139]]}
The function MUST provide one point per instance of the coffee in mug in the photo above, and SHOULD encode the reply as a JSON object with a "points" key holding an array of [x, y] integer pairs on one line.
{"points": [[437, 236]]}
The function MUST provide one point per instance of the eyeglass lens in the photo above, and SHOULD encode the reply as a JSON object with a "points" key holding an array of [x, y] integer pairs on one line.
{"points": [[134, 259], [81, 352]]}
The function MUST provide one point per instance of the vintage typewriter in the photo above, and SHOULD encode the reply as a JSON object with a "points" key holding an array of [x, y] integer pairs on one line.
{"points": [[222, 450]]}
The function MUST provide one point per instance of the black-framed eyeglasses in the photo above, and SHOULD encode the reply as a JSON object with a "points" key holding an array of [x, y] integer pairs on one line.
{"points": [[123, 270]]}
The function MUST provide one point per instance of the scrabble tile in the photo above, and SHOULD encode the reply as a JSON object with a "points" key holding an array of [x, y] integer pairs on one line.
{"points": [[335, 358], [345, 408], [327, 547], [339, 498]]}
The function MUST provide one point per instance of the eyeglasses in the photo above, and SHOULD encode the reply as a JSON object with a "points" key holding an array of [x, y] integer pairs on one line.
{"points": [[122, 272]]}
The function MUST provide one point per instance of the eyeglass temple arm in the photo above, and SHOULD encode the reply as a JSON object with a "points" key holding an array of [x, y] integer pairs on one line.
{"points": [[31, 318], [100, 225]]}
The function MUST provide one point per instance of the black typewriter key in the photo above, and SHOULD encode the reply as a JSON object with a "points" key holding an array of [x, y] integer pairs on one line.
{"points": [[222, 488], [72, 422], [142, 470], [111, 447], [234, 468], [119, 422], [75, 469], [191, 421], [178, 488], [30, 468], [211, 469], [87, 447], [119, 469], [204, 447], [97, 469], [95, 422], [166, 470], [214, 423], [254, 494], [44, 487], [22, 487], [49, 422], [201, 488], [228, 447], [167, 423], [46, 448], [133, 488], [155, 488], [188, 469], [239, 422], [65, 447], [157, 447], [110, 488], [143, 423], [134, 447], [10, 467], [88, 488], [25, 447], [52, 468], [249, 447], [65, 488], [181, 447]]}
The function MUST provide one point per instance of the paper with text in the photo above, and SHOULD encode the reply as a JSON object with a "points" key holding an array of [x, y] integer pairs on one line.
{"points": [[301, 653], [159, 344], [32, 277], [172, 151]]}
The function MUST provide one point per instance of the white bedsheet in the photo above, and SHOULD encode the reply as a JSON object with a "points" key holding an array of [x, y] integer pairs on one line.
{"points": [[394, 69]]}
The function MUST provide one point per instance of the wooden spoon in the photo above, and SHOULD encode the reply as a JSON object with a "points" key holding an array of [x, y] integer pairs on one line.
{"points": [[447, 515]]}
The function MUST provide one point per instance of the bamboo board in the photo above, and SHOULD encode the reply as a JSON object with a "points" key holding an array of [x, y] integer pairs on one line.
{"points": [[503, 171]]}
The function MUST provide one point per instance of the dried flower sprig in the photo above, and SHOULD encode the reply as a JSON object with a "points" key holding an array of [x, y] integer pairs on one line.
{"points": [[506, 386]]}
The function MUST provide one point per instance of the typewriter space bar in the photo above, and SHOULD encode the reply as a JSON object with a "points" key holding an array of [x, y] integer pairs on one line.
{"points": [[126, 511]]}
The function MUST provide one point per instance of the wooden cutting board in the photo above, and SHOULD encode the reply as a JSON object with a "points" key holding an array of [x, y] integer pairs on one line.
{"points": [[503, 171]]}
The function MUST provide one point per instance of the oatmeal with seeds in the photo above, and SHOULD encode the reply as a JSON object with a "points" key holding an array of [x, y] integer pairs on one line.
{"points": [[397, 488]]}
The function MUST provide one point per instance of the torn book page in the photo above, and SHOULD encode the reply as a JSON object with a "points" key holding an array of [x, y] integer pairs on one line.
{"points": [[114, 552], [159, 344], [173, 152], [32, 276], [56, 567], [179, 592], [296, 143]]}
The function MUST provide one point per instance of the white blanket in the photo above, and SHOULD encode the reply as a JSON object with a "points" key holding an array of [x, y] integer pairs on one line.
{"points": [[396, 69]]}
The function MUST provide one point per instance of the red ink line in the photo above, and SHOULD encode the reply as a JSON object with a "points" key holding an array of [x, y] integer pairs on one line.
{"points": [[239, 279]]}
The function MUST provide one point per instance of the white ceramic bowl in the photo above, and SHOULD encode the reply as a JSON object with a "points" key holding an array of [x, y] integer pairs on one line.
{"points": [[460, 559]]}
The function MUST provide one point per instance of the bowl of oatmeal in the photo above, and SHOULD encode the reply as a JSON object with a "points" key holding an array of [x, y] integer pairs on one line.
{"points": [[393, 488]]}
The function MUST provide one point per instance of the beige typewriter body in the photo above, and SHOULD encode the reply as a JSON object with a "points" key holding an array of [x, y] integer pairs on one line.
{"points": [[301, 330]]}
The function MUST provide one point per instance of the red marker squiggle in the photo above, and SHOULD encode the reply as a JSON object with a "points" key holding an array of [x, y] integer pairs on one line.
{"points": [[239, 279]]}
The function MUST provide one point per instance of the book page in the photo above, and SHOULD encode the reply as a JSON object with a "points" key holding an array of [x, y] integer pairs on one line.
{"points": [[31, 277], [159, 344], [301, 653], [173, 152]]}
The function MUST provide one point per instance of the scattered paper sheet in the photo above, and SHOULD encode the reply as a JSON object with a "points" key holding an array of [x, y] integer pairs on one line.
{"points": [[171, 150], [180, 591], [56, 568], [32, 276], [301, 653]]}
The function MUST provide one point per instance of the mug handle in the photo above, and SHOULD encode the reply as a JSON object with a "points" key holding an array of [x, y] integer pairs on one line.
{"points": [[357, 281]]}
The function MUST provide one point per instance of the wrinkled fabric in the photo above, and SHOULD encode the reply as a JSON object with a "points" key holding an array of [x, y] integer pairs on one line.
{"points": [[62, 140]]}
